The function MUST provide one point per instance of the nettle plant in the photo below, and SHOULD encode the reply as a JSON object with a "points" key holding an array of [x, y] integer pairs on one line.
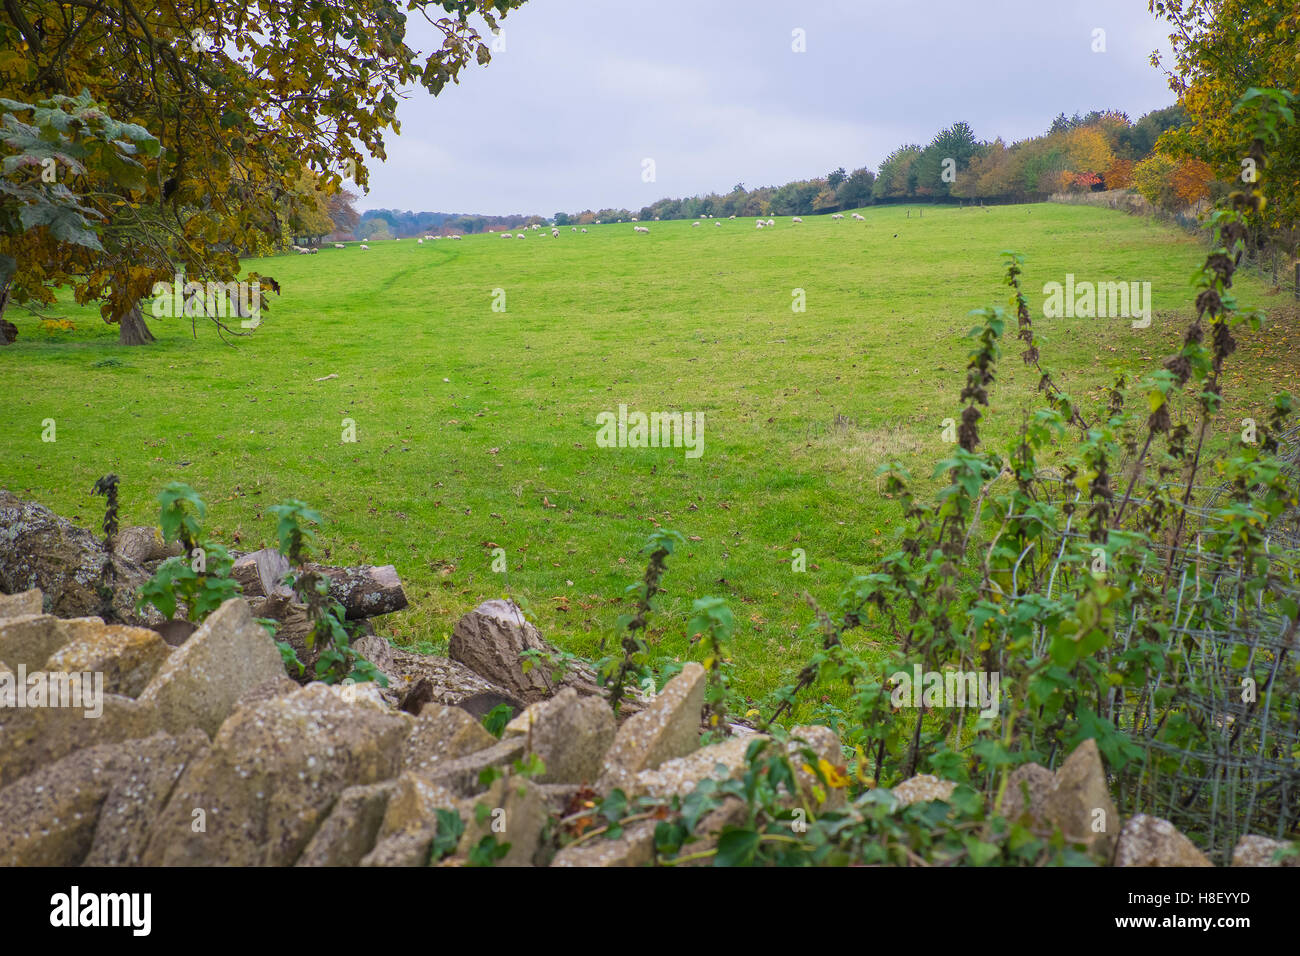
{"points": [[1114, 592], [336, 660], [199, 579]]}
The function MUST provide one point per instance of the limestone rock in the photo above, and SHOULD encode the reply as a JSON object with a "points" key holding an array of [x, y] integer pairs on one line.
{"points": [[1080, 804], [351, 829], [34, 737], [413, 805], [679, 776], [825, 745], [272, 776], [403, 849], [489, 640], [128, 657], [201, 681], [441, 734], [21, 604], [922, 787], [440, 680], [1151, 841], [1252, 850], [669, 727], [48, 818], [517, 813], [1038, 781], [461, 776], [144, 773], [571, 735], [635, 847], [29, 640], [38, 549]]}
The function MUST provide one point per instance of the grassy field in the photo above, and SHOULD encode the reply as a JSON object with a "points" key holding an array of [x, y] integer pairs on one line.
{"points": [[476, 429]]}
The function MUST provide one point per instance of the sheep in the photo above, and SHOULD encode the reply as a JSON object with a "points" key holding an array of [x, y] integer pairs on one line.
{"points": [[455, 237], [575, 229], [861, 218], [837, 216], [641, 229], [555, 234], [520, 236], [795, 219], [718, 224], [364, 246], [339, 245], [634, 218], [732, 216], [694, 224], [419, 242], [771, 222], [584, 228], [506, 235], [758, 225]]}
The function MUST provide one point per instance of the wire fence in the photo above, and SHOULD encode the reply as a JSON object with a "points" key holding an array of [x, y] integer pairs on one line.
{"points": [[1218, 725]]}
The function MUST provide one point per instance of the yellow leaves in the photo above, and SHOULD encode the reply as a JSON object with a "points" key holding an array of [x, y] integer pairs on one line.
{"points": [[833, 775]]}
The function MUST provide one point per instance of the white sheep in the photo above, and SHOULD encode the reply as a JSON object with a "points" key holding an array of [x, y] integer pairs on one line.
{"points": [[694, 224], [574, 229], [771, 222], [364, 246], [732, 216], [555, 234], [634, 218], [455, 237], [718, 224], [339, 245], [520, 236], [419, 242], [758, 225], [794, 219], [506, 235], [584, 228], [640, 228]]}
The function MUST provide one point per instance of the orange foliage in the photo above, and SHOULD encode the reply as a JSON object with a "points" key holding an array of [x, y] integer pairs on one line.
{"points": [[1119, 174]]}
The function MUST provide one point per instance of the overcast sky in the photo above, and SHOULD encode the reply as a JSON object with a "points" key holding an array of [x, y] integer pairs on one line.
{"points": [[713, 92]]}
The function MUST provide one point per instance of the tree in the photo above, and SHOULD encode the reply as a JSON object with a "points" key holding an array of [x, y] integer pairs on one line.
{"points": [[1153, 178], [1222, 49], [834, 178], [947, 157], [855, 191], [242, 97], [893, 180]]}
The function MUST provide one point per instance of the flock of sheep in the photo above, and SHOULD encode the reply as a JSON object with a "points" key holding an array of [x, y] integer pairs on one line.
{"points": [[555, 231]]}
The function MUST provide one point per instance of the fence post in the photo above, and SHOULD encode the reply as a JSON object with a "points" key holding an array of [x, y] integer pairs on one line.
{"points": [[1297, 281]]}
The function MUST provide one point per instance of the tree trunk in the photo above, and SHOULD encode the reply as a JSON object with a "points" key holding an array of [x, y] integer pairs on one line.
{"points": [[8, 331], [132, 330]]}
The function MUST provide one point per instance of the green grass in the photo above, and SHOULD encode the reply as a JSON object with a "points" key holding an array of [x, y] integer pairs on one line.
{"points": [[799, 409]]}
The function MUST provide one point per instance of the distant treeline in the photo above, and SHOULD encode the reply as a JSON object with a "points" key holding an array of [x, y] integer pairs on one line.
{"points": [[1099, 150]]}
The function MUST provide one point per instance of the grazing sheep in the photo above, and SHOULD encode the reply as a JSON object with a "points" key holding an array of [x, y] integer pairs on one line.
{"points": [[555, 234], [584, 228], [837, 216], [339, 245], [574, 229], [520, 236], [455, 237], [771, 222], [860, 218], [419, 242], [640, 229], [732, 216], [718, 224], [506, 235], [758, 225], [364, 246], [795, 219], [634, 218], [694, 224]]}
